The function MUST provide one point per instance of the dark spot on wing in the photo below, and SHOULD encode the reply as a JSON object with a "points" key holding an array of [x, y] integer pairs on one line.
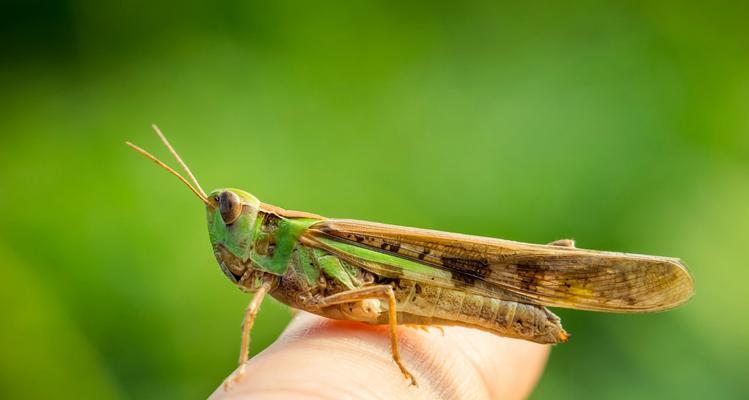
{"points": [[529, 276], [392, 247], [466, 279], [478, 268]]}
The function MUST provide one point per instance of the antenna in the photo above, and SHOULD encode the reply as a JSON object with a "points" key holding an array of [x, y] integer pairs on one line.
{"points": [[201, 195], [179, 159]]}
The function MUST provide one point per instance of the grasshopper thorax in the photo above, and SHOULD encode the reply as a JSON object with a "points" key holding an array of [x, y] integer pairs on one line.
{"points": [[231, 221]]}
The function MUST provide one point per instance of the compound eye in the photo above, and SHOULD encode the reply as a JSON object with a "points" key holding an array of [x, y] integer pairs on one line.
{"points": [[229, 206]]}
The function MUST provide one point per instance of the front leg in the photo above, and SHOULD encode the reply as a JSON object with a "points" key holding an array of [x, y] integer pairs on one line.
{"points": [[249, 320], [374, 292]]}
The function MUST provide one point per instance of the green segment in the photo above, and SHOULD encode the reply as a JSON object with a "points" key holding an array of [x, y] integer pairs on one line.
{"points": [[382, 258], [285, 238], [236, 237], [305, 265], [333, 267]]}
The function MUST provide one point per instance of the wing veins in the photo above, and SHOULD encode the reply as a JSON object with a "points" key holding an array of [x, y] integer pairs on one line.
{"points": [[544, 275]]}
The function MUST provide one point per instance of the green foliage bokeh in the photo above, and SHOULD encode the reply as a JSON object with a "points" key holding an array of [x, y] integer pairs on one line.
{"points": [[623, 126]]}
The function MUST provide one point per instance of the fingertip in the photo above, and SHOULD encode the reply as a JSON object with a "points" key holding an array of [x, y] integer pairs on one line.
{"points": [[321, 358]]}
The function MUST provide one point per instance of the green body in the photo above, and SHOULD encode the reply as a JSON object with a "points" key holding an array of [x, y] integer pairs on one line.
{"points": [[263, 245], [269, 243]]}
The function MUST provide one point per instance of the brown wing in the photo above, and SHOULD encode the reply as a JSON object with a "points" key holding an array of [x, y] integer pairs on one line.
{"points": [[540, 274]]}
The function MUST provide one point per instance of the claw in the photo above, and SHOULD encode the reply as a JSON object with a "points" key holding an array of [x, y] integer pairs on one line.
{"points": [[407, 374], [234, 379]]}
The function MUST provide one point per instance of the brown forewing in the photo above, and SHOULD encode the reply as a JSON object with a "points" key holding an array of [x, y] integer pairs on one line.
{"points": [[545, 275]]}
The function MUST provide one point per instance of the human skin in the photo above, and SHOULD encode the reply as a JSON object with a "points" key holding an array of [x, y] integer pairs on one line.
{"points": [[319, 358]]}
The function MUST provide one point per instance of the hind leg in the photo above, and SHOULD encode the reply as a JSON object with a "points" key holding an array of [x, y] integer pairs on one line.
{"points": [[382, 292]]}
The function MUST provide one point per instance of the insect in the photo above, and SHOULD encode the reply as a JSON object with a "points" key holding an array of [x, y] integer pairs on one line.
{"points": [[386, 274]]}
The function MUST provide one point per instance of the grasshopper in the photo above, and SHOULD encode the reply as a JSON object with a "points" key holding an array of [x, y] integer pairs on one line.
{"points": [[384, 274]]}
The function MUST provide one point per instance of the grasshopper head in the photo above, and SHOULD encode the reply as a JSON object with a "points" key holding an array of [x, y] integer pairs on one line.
{"points": [[231, 215], [231, 219]]}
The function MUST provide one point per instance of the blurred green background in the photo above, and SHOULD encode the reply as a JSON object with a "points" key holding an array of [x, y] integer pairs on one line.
{"points": [[625, 126]]}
